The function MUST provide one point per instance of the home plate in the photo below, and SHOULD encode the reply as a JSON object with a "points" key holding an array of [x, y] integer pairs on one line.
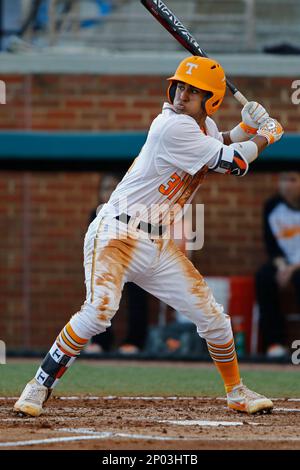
{"points": [[196, 422]]}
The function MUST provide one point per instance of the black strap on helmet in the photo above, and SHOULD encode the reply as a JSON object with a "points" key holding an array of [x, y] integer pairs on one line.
{"points": [[172, 91]]}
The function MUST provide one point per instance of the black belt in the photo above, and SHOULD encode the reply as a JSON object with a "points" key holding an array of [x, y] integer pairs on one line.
{"points": [[154, 230]]}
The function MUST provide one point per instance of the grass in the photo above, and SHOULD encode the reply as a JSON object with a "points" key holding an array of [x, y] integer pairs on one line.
{"points": [[146, 380]]}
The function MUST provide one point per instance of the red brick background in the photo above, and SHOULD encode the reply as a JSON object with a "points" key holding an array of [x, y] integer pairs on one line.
{"points": [[43, 216], [94, 102]]}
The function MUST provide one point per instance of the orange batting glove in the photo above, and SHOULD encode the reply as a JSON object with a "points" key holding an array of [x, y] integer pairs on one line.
{"points": [[271, 129]]}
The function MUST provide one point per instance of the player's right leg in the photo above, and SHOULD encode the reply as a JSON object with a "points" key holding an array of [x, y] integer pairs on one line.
{"points": [[185, 290], [106, 269]]}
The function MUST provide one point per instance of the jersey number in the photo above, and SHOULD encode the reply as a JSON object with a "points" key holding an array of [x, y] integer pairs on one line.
{"points": [[172, 186]]}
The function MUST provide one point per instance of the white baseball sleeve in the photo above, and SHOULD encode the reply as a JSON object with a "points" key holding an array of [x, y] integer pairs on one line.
{"points": [[184, 145]]}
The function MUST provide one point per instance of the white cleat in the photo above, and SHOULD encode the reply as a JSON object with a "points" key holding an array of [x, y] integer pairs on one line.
{"points": [[242, 399], [32, 399]]}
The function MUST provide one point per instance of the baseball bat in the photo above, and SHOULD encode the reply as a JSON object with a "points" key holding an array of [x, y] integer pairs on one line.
{"points": [[171, 23]]}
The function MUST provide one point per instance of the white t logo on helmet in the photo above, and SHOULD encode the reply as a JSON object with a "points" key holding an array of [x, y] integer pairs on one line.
{"points": [[190, 66]]}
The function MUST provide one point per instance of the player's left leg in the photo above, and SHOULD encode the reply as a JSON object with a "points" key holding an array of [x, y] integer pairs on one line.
{"points": [[107, 265], [176, 281]]}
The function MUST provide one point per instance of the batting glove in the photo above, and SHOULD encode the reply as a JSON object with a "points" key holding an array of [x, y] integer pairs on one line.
{"points": [[271, 129], [254, 114]]}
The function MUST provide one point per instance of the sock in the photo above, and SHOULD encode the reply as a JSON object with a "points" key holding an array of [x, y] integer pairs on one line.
{"points": [[225, 359], [69, 342], [60, 357]]}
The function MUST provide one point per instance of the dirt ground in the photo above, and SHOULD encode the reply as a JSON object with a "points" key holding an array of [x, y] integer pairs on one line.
{"points": [[149, 424]]}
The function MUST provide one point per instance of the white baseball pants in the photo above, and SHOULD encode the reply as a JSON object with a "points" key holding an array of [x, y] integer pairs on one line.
{"points": [[158, 266]]}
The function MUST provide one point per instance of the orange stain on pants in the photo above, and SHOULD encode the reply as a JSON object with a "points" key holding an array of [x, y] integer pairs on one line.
{"points": [[200, 306], [110, 268], [198, 287]]}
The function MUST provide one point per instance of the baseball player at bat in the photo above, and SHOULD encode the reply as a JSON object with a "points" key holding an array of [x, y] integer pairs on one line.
{"points": [[182, 146]]}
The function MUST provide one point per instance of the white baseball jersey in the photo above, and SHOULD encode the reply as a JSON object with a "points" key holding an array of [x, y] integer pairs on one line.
{"points": [[170, 167]]}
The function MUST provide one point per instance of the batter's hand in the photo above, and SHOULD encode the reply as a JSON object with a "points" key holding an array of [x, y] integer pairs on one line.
{"points": [[271, 129], [253, 115]]}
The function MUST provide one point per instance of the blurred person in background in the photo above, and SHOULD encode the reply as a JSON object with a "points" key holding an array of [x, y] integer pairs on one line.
{"points": [[137, 298], [282, 241]]}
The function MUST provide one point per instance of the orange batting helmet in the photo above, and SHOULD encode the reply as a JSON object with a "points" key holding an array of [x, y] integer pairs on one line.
{"points": [[205, 74]]}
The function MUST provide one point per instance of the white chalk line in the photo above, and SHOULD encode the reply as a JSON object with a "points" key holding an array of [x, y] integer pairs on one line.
{"points": [[121, 434], [193, 438], [109, 435], [9, 398], [90, 434], [52, 440], [90, 431], [104, 435], [87, 433], [288, 410], [197, 422]]}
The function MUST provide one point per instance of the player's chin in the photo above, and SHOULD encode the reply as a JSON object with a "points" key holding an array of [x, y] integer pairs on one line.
{"points": [[180, 109]]}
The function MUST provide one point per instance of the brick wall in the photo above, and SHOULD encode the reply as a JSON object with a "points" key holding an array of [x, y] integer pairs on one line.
{"points": [[43, 216], [93, 102]]}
